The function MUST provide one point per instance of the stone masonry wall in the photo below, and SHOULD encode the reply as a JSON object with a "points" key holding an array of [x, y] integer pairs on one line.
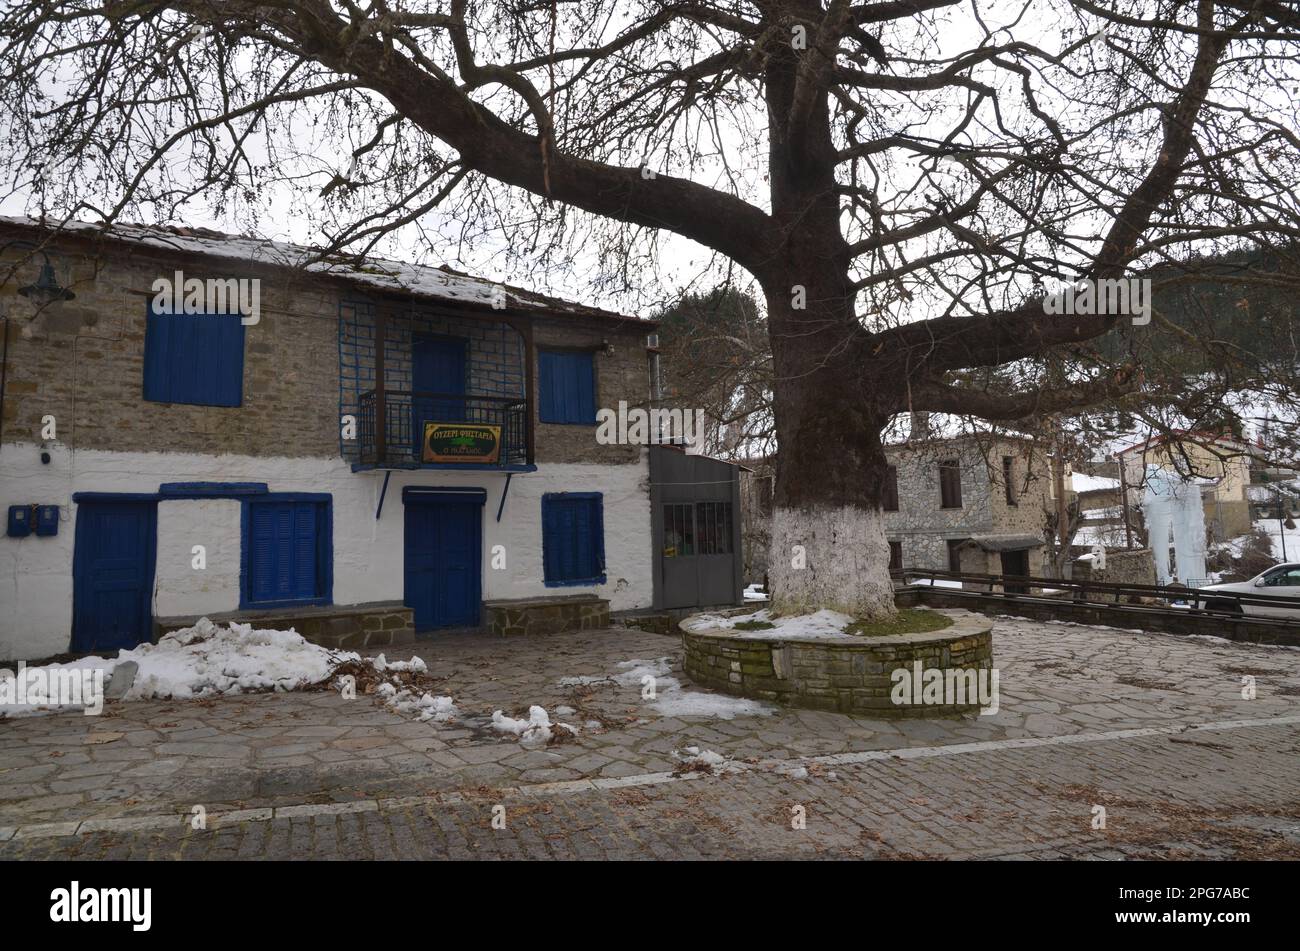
{"points": [[924, 527], [622, 375], [82, 361], [836, 675], [546, 615]]}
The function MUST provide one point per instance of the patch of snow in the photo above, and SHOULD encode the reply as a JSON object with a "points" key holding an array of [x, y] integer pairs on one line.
{"points": [[1279, 535], [535, 732], [414, 665], [697, 757], [694, 703], [820, 624], [39, 680], [208, 659], [755, 592], [671, 699], [424, 707], [583, 681], [1081, 482]]}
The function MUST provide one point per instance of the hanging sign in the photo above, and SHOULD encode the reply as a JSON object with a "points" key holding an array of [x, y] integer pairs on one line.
{"points": [[461, 442]]}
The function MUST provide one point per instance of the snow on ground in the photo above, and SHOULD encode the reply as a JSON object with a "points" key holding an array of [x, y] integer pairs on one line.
{"points": [[535, 732], [755, 592], [1281, 536], [670, 698], [39, 685], [822, 624], [424, 707], [209, 659], [694, 758]]}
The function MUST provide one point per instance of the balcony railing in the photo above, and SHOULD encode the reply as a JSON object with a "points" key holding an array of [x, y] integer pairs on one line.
{"points": [[394, 436]]}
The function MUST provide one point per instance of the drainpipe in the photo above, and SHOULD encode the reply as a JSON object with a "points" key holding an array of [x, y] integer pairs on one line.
{"points": [[4, 372]]}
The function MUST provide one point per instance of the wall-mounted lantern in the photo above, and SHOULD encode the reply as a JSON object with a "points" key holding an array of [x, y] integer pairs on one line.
{"points": [[47, 288]]}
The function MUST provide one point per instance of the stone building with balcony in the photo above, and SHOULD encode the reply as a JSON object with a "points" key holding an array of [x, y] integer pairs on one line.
{"points": [[378, 448]]}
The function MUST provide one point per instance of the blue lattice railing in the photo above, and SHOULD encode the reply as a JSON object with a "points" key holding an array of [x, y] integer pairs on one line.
{"points": [[399, 441]]}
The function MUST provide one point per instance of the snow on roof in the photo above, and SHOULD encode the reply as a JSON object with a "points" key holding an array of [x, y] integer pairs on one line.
{"points": [[1082, 482], [1004, 542], [418, 280], [1194, 437]]}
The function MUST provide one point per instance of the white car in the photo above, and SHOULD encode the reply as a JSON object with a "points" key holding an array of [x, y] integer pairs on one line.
{"points": [[1282, 581]]}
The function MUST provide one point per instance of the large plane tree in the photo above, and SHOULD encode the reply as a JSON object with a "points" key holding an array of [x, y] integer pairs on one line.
{"points": [[901, 178]]}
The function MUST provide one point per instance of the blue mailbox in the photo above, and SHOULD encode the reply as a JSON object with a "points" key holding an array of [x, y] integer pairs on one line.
{"points": [[47, 520], [20, 521]]}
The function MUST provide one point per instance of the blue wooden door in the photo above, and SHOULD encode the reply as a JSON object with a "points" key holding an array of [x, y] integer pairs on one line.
{"points": [[437, 366], [442, 562], [112, 574]]}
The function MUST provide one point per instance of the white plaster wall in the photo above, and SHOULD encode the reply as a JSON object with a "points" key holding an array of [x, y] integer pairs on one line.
{"points": [[182, 524], [36, 573]]}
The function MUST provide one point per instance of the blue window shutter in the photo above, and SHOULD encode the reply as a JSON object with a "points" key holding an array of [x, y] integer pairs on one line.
{"points": [[194, 358], [566, 387], [262, 553], [304, 550], [573, 538], [287, 556]]}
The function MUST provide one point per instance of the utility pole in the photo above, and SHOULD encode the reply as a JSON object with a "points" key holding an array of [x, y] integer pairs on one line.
{"points": [[1123, 498], [1062, 510]]}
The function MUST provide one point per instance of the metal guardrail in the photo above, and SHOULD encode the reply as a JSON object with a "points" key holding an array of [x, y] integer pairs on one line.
{"points": [[1106, 592]]}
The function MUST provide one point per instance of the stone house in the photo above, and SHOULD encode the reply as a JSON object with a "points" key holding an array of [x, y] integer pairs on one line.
{"points": [[973, 504], [355, 450]]}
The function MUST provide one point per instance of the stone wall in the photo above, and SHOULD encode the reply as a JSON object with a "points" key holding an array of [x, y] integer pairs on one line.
{"points": [[546, 615], [843, 674], [383, 624], [924, 527], [622, 375], [1122, 567], [82, 361]]}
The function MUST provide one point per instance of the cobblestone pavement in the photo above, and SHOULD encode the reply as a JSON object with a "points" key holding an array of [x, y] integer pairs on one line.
{"points": [[1214, 794], [1089, 717]]}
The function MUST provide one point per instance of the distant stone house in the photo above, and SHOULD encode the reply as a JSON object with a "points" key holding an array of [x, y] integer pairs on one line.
{"points": [[383, 448], [972, 504], [975, 504]]}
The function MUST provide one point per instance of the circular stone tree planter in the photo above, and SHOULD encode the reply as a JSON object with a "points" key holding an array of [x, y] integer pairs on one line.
{"points": [[850, 674]]}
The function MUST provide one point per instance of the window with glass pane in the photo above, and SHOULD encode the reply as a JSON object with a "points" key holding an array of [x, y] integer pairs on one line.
{"points": [[713, 526], [679, 530]]}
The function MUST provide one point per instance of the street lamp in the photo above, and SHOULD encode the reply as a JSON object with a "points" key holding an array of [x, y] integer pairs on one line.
{"points": [[46, 289]]}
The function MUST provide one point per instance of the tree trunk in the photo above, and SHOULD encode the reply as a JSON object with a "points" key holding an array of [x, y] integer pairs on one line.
{"points": [[830, 402], [828, 546]]}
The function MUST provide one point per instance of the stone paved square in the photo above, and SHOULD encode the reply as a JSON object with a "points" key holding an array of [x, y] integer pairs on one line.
{"points": [[1152, 727]]}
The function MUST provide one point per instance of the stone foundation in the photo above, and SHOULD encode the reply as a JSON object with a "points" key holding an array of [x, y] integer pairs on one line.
{"points": [[378, 624], [533, 616], [847, 675]]}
